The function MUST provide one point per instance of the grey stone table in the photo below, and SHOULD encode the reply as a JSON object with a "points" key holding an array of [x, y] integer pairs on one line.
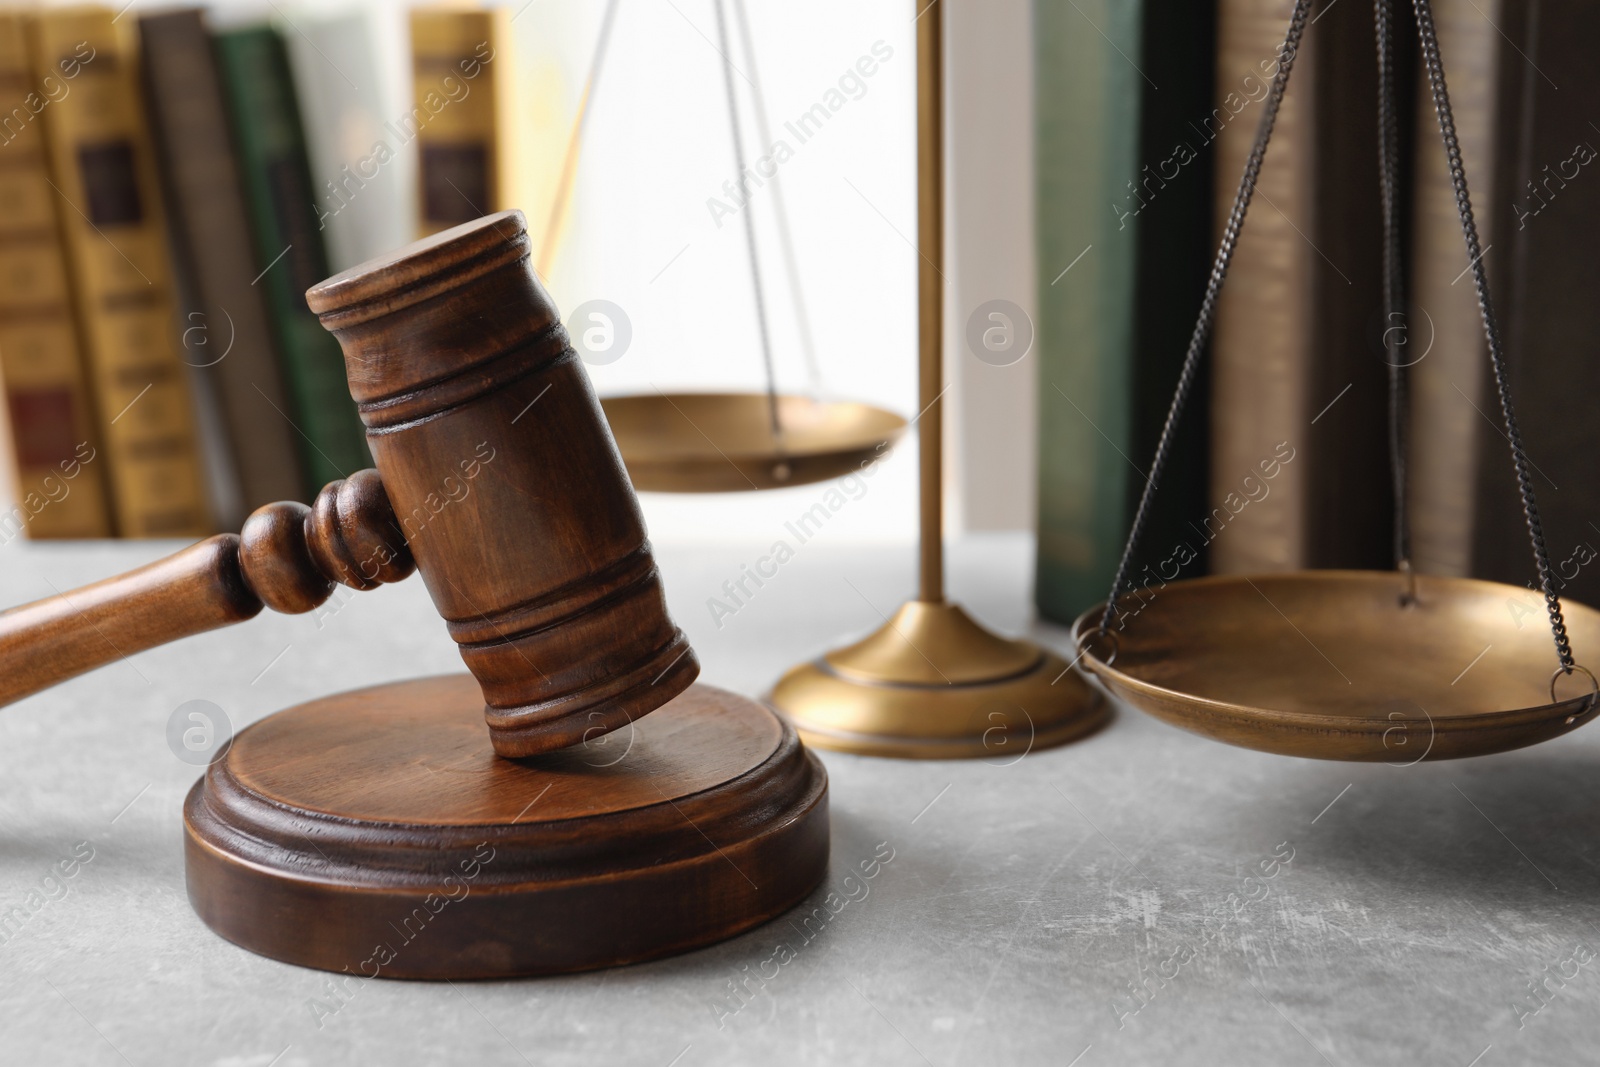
{"points": [[1144, 896]]}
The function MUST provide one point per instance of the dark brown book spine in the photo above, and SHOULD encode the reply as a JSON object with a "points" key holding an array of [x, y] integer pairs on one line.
{"points": [[1544, 274], [1300, 472], [1446, 339], [1350, 499], [226, 330]]}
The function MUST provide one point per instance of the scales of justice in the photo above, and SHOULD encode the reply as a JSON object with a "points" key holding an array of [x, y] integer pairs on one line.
{"points": [[467, 806]]}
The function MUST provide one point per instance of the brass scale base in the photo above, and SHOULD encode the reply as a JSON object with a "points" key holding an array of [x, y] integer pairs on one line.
{"points": [[933, 684]]}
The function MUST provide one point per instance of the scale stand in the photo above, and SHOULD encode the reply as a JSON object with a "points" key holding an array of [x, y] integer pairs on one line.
{"points": [[933, 683]]}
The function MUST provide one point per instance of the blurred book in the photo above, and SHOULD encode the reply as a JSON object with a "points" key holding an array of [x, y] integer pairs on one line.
{"points": [[110, 214], [290, 256], [226, 334], [58, 463], [552, 52], [362, 175], [1299, 439], [1449, 403], [462, 114], [1540, 254], [1123, 229]]}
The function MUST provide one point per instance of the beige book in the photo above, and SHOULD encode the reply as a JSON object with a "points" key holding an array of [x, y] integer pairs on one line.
{"points": [[461, 114], [110, 216], [59, 484], [1300, 385], [1261, 345], [1448, 405]]}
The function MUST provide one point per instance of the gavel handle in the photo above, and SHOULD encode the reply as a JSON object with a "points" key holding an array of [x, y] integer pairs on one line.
{"points": [[288, 558], [63, 636]]}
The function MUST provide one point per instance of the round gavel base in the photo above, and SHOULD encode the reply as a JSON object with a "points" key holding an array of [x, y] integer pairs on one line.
{"points": [[376, 832]]}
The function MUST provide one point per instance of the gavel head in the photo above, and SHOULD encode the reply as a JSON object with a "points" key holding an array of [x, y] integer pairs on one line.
{"points": [[507, 485]]}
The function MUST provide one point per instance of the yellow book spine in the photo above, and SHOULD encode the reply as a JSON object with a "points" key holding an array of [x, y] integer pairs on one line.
{"points": [[60, 488], [1447, 386], [109, 212], [461, 77], [1261, 343]]}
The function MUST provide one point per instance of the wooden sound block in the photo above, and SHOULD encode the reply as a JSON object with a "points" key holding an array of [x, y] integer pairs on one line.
{"points": [[376, 832]]}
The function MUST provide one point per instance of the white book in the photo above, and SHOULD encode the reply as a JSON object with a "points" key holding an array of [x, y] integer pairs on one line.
{"points": [[351, 71]]}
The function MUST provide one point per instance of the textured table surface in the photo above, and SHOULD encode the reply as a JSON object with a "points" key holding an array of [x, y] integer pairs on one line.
{"points": [[1087, 905]]}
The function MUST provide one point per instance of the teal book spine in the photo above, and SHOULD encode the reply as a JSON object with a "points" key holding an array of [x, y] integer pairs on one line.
{"points": [[289, 251], [1123, 223], [1086, 112]]}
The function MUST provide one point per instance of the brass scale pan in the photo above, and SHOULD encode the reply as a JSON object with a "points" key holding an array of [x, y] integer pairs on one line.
{"points": [[732, 442], [1330, 665], [723, 442]]}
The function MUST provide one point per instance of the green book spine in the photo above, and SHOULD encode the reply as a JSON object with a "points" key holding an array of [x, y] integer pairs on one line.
{"points": [[1087, 118], [1122, 223], [289, 251], [1174, 203]]}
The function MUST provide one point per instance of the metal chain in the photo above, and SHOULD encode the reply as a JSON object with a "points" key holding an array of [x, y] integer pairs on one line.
{"points": [[1497, 359], [1396, 315], [1208, 307], [569, 163], [780, 210], [748, 210]]}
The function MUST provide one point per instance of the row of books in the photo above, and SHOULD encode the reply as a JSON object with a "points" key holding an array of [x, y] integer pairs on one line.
{"points": [[168, 191], [1283, 459]]}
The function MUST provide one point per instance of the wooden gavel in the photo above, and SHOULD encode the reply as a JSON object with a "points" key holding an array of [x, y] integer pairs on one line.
{"points": [[497, 477]]}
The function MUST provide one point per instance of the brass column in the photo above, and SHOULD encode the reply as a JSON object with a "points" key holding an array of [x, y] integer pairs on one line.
{"points": [[930, 294], [932, 683]]}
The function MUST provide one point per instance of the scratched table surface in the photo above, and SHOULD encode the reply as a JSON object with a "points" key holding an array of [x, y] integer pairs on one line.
{"points": [[1143, 896]]}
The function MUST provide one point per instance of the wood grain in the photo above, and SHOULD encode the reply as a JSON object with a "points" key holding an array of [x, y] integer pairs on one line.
{"points": [[284, 560], [507, 484], [377, 832], [439, 770]]}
